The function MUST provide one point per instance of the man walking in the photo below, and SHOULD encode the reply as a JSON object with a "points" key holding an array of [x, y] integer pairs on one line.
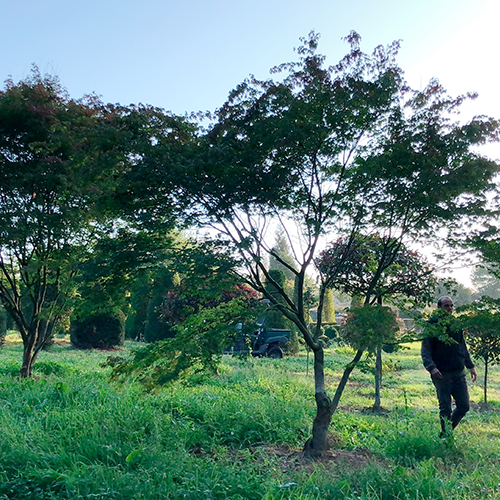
{"points": [[445, 359]]}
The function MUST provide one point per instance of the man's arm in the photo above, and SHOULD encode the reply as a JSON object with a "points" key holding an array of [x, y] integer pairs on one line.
{"points": [[426, 352], [467, 359]]}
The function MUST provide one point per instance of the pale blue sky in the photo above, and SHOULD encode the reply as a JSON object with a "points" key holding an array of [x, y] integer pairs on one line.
{"points": [[187, 55]]}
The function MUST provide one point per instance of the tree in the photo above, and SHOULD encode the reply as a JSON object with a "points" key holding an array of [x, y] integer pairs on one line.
{"points": [[329, 308], [58, 159], [202, 311], [331, 149], [460, 294], [282, 251], [485, 283], [107, 273], [375, 268], [482, 322], [273, 317]]}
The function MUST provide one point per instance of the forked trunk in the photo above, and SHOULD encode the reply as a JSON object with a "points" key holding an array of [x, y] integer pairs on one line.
{"points": [[325, 407], [29, 353], [345, 377]]}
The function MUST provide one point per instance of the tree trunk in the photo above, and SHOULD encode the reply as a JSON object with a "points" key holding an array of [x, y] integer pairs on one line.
{"points": [[316, 445], [29, 354], [345, 377], [319, 443], [28, 359], [378, 378], [325, 407], [486, 381]]}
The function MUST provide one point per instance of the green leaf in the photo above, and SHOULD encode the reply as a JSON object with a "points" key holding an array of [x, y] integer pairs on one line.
{"points": [[133, 455]]}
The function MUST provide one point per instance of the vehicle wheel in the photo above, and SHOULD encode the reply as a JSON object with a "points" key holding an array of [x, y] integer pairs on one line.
{"points": [[275, 352]]}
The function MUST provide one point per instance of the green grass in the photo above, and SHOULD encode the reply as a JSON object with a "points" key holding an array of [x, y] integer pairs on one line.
{"points": [[71, 434]]}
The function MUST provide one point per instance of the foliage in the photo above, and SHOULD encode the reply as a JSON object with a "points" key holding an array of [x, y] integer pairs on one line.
{"points": [[205, 278], [58, 159], [159, 146], [98, 331], [439, 324], [201, 310], [110, 268], [459, 293], [369, 327], [481, 320], [197, 345], [376, 268], [485, 283]]}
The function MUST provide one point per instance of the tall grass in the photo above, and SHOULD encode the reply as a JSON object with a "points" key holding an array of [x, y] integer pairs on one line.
{"points": [[71, 434]]}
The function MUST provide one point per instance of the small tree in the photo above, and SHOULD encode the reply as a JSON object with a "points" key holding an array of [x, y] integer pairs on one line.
{"points": [[481, 320], [331, 149], [59, 158], [374, 268]]}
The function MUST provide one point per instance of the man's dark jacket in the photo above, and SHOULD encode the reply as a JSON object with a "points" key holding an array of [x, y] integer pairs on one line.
{"points": [[446, 357]]}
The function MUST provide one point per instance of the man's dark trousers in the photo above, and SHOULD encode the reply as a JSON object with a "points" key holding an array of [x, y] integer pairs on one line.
{"points": [[453, 384]]}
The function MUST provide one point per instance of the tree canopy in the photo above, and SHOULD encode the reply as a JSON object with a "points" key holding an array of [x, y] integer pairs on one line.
{"points": [[58, 158], [333, 150]]}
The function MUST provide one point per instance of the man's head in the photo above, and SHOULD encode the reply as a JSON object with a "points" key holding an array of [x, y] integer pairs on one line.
{"points": [[446, 304]]}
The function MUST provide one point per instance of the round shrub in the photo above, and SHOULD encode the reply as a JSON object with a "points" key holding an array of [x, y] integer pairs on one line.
{"points": [[99, 331]]}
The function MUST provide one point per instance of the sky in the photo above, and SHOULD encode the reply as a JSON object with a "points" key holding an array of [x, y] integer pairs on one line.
{"points": [[186, 56]]}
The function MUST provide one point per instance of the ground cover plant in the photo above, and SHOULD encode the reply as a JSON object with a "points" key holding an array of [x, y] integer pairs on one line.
{"points": [[70, 433]]}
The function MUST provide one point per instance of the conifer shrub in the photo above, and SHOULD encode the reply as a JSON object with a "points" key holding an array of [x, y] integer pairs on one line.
{"points": [[98, 331]]}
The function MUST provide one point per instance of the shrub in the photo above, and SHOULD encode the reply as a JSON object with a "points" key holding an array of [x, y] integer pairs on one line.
{"points": [[99, 331], [155, 328]]}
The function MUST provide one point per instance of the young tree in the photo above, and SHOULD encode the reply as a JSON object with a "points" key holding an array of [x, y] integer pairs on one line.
{"points": [[282, 250], [375, 269], [367, 329], [331, 149], [58, 159], [481, 320]]}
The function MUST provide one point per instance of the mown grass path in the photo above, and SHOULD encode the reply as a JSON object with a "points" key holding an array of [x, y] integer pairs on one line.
{"points": [[71, 434]]}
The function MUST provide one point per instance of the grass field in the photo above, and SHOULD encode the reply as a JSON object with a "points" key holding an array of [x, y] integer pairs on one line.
{"points": [[71, 434]]}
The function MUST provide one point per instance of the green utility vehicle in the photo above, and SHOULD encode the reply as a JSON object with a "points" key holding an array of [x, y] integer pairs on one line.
{"points": [[269, 342]]}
